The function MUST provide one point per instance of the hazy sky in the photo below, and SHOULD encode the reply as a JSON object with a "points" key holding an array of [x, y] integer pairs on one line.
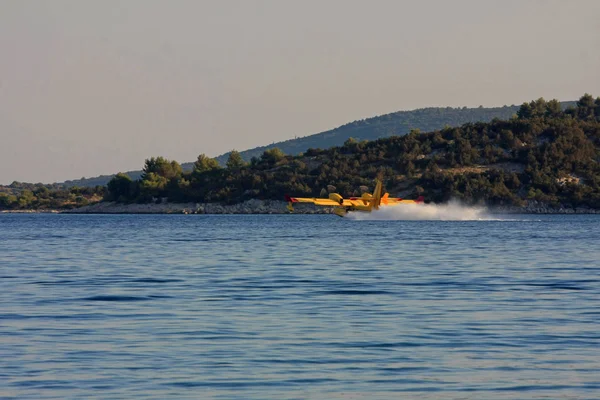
{"points": [[95, 87]]}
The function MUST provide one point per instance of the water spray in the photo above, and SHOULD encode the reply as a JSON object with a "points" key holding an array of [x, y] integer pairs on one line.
{"points": [[451, 211]]}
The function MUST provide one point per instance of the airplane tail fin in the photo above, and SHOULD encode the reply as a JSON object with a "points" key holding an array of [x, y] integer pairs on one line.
{"points": [[290, 205], [384, 199], [377, 195]]}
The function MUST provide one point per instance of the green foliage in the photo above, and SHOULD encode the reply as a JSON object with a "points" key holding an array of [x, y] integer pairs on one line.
{"points": [[235, 160], [204, 164], [24, 196], [536, 156], [273, 155], [540, 108], [120, 187], [26, 199], [586, 107], [7, 200], [544, 154], [350, 142], [161, 167], [394, 124], [158, 174]]}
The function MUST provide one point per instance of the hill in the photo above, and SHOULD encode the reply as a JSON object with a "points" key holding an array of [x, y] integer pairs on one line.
{"points": [[394, 124], [543, 154], [398, 123]]}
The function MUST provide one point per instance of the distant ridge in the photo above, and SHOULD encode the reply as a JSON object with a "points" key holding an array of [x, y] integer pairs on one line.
{"points": [[397, 123]]}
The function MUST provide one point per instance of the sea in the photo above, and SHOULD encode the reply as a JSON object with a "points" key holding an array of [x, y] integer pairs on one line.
{"points": [[299, 307]]}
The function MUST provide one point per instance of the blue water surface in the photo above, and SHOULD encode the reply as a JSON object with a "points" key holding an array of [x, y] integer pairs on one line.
{"points": [[298, 307]]}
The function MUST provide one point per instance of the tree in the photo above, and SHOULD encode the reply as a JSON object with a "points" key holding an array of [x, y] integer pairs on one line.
{"points": [[158, 174], [553, 108], [585, 107], [539, 107], [410, 169], [525, 111], [273, 155], [235, 160], [161, 167], [205, 163], [350, 142], [7, 200], [119, 187], [546, 147], [26, 198]]}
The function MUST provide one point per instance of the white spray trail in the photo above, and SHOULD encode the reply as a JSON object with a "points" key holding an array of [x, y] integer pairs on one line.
{"points": [[452, 211]]}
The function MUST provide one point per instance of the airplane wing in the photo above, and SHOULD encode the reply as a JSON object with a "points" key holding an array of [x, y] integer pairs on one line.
{"points": [[394, 201], [321, 202]]}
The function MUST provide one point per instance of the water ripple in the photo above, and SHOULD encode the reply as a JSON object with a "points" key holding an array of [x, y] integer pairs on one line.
{"points": [[274, 307]]}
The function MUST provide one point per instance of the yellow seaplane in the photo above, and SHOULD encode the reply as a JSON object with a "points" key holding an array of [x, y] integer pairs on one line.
{"points": [[366, 203]]}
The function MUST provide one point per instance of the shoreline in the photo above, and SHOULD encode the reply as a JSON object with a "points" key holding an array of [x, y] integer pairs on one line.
{"points": [[253, 206], [259, 207]]}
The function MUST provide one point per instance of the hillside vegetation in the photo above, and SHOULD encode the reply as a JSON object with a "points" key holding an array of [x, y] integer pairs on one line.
{"points": [[26, 196], [543, 153], [394, 124]]}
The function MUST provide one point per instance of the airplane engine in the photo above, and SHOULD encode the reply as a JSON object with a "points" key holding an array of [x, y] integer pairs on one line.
{"points": [[336, 197]]}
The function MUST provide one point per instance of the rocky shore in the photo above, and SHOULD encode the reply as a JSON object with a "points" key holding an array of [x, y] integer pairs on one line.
{"points": [[543, 210], [279, 207], [248, 207]]}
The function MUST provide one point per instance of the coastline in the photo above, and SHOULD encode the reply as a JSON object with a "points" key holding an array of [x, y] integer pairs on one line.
{"points": [[255, 206]]}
